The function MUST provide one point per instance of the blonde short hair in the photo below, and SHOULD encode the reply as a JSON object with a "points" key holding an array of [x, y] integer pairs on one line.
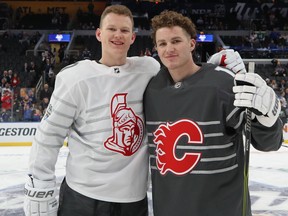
{"points": [[117, 9]]}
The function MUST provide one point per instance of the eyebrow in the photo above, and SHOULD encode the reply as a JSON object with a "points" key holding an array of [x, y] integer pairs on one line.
{"points": [[174, 38], [114, 26]]}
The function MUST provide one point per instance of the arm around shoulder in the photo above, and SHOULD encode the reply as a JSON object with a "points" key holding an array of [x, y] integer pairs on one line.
{"points": [[152, 65]]}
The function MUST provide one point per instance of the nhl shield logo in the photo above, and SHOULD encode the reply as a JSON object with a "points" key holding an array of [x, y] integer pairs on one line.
{"points": [[128, 128]]}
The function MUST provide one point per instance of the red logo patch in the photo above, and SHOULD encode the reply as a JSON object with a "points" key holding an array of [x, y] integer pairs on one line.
{"points": [[127, 128], [166, 138]]}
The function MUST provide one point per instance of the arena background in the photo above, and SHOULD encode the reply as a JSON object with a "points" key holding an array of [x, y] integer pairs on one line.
{"points": [[53, 34]]}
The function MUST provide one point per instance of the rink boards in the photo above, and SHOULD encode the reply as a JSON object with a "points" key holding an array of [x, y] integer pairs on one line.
{"points": [[18, 133]]}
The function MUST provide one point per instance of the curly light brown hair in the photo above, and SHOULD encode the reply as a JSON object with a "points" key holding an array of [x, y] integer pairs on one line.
{"points": [[117, 9], [170, 19]]}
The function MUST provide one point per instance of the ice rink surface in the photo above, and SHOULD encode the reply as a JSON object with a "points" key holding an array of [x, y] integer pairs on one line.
{"points": [[268, 180]]}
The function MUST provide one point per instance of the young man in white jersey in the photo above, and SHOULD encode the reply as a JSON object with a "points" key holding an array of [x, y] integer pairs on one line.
{"points": [[98, 105]]}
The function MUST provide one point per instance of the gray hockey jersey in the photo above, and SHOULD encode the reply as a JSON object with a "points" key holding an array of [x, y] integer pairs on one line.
{"points": [[196, 144]]}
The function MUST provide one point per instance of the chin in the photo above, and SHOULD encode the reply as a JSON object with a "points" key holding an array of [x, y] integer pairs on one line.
{"points": [[120, 50], [170, 65]]}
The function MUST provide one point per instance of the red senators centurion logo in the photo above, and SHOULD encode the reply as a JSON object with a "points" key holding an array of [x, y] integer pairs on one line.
{"points": [[166, 138], [128, 129]]}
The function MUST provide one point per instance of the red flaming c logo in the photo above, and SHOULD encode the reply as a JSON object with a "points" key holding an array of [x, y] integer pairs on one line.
{"points": [[166, 138]]}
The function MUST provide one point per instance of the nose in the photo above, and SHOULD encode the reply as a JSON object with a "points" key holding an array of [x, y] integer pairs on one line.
{"points": [[170, 47], [118, 34]]}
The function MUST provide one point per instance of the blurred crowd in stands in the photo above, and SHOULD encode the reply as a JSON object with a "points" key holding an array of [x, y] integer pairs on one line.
{"points": [[19, 101], [27, 77], [276, 75], [254, 15]]}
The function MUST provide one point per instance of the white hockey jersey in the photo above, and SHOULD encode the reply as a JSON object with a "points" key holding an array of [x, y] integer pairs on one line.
{"points": [[100, 109]]}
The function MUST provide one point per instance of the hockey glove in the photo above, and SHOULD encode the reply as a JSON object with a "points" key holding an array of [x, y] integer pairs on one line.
{"points": [[251, 91], [229, 59], [40, 198]]}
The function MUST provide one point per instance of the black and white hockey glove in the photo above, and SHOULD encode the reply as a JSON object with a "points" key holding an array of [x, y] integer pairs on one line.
{"points": [[40, 198], [251, 91], [230, 59]]}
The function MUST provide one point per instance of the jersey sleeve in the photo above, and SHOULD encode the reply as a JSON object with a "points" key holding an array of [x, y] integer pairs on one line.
{"points": [[53, 129], [267, 138]]}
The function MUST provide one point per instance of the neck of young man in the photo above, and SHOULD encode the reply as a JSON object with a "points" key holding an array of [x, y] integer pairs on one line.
{"points": [[111, 61], [181, 73]]}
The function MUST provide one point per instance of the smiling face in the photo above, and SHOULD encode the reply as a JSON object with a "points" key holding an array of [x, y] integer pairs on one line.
{"points": [[174, 47], [116, 35]]}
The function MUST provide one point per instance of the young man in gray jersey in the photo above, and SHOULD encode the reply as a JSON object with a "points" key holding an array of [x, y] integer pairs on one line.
{"points": [[195, 117], [98, 105]]}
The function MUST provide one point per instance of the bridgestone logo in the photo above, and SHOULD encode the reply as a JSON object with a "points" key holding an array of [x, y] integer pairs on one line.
{"points": [[17, 131]]}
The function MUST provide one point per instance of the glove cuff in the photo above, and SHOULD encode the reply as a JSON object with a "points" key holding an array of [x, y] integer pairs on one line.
{"points": [[273, 114]]}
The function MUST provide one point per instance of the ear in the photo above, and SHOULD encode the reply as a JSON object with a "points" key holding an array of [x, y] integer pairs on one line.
{"points": [[192, 44], [98, 34], [133, 37]]}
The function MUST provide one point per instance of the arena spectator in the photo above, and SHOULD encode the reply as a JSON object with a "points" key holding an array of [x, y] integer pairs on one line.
{"points": [[32, 97], [24, 70], [272, 44], [86, 54], [17, 109], [5, 115], [44, 103], [45, 92], [33, 74], [25, 101], [282, 85], [15, 81], [274, 85], [2, 85], [27, 113], [48, 69], [61, 52], [280, 70], [7, 87], [5, 75], [10, 75], [36, 115], [283, 101], [274, 62], [6, 100], [286, 94]]}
